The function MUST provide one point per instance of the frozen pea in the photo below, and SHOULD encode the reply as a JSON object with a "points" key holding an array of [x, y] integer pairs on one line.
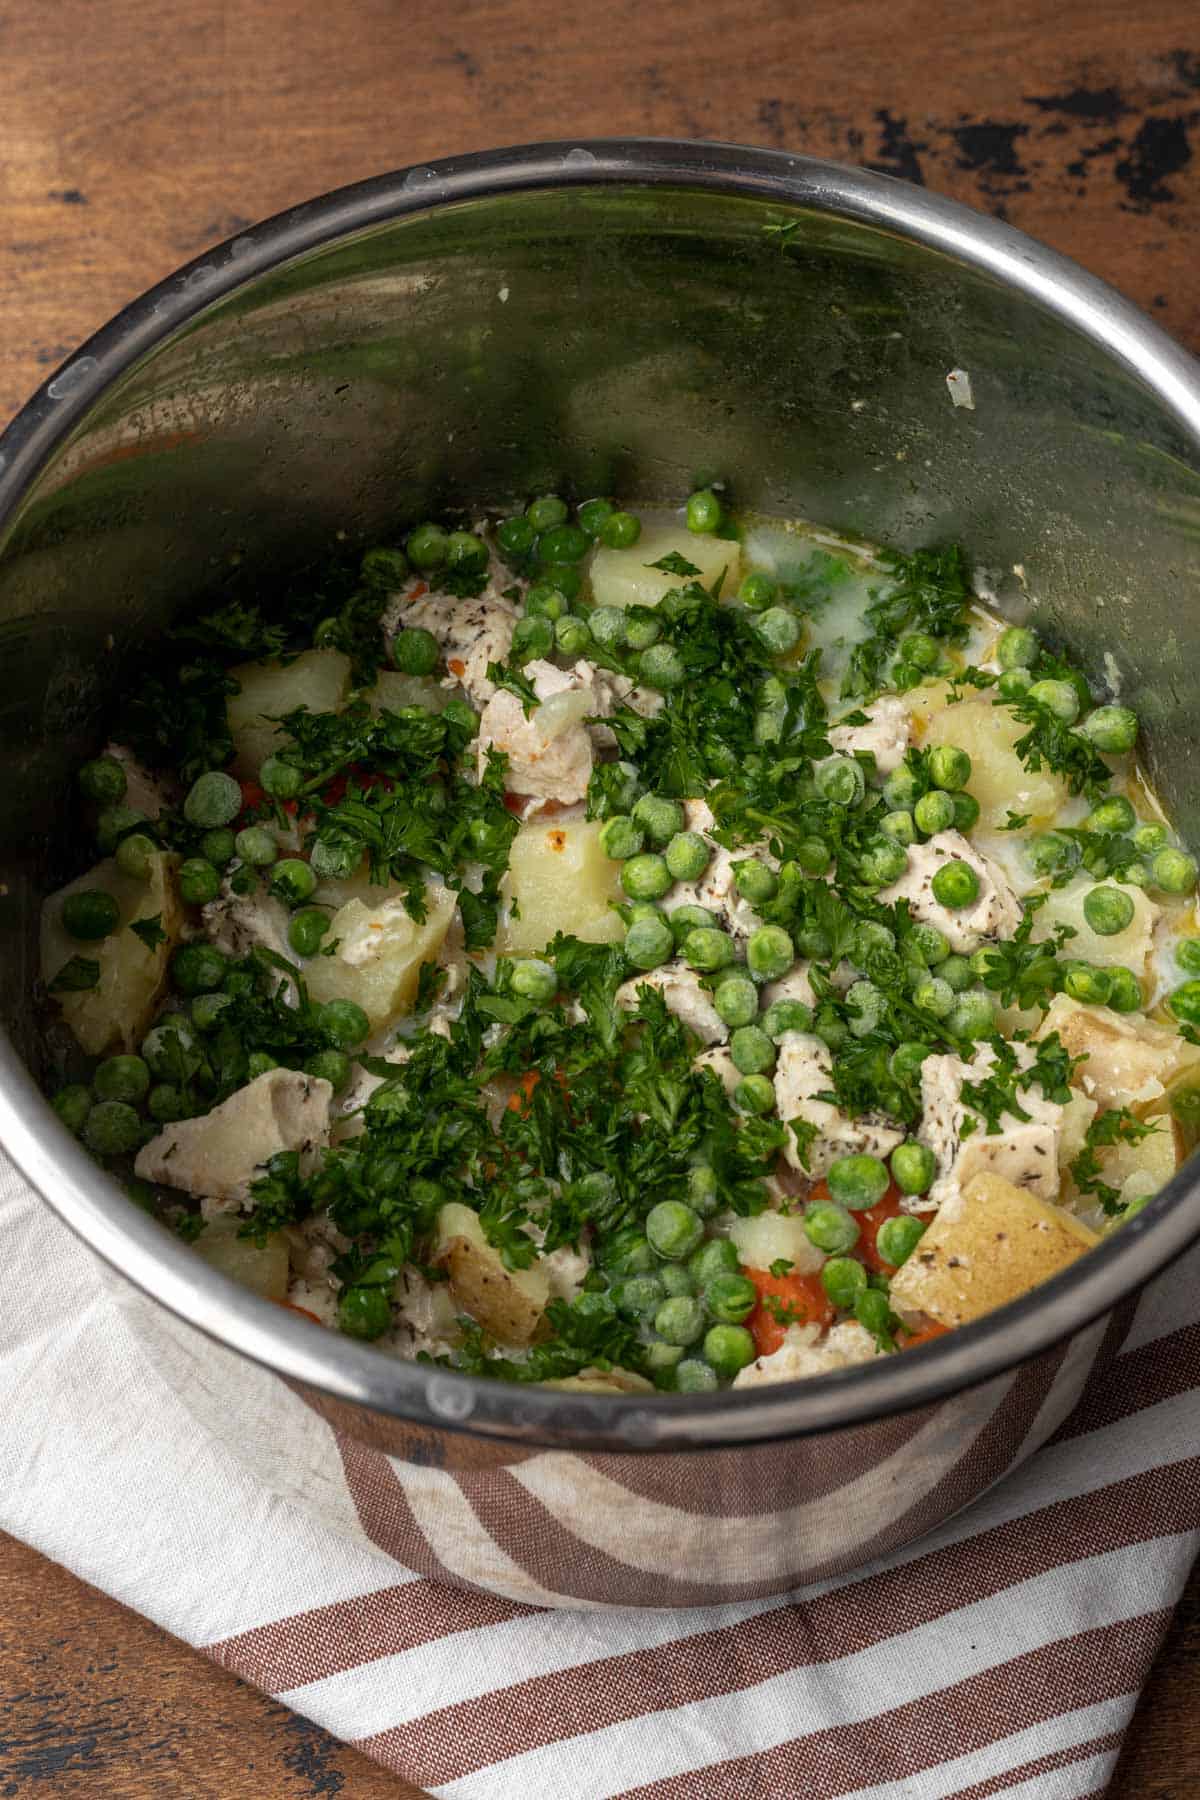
{"points": [[620, 838], [770, 952], [1060, 697], [213, 799], [649, 942], [786, 1015], [707, 949], [1113, 729], [736, 1000], [934, 812], [1107, 910], [755, 882], [949, 767], [687, 855], [752, 1050], [754, 1094]]}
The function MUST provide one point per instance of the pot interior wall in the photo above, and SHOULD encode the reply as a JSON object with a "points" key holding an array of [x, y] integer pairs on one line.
{"points": [[589, 339]]}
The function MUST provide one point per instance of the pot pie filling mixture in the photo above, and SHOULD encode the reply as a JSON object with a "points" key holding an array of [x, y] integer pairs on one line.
{"points": [[623, 952]]}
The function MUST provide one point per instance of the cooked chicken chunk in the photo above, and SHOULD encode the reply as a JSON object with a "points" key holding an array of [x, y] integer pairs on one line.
{"points": [[803, 1071], [995, 912], [219, 1156]]}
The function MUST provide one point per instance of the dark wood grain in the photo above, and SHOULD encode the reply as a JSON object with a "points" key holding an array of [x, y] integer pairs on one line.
{"points": [[137, 132]]}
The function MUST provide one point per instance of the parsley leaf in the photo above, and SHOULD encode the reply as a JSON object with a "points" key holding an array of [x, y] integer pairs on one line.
{"points": [[674, 564], [76, 975], [930, 593], [150, 931], [1115, 1126]]}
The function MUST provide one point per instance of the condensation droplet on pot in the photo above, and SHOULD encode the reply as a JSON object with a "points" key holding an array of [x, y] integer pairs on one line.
{"points": [[502, 295], [421, 178], [580, 158], [71, 378], [638, 1427], [959, 383], [448, 1400]]}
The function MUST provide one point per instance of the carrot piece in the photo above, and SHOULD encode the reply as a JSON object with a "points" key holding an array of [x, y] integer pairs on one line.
{"points": [[785, 1300], [869, 1222], [519, 1102], [289, 1306]]}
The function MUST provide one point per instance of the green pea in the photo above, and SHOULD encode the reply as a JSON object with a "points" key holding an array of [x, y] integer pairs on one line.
{"points": [[898, 1237], [334, 861], [620, 838], [661, 667], [112, 1129], [777, 630], [687, 855], [167, 1103], [715, 1256], [199, 882], [628, 1252], [770, 952], [843, 1279], [1082, 981], [1149, 838], [1014, 684], [170, 1050], [673, 1230], [727, 1348], [1187, 955], [546, 512], [729, 1296], [332, 1066], [426, 547], [1018, 648], [197, 968], [703, 1190], [649, 942], [683, 919], [415, 651], [563, 544], [566, 579], [882, 862], [343, 1024], [841, 781], [206, 1009], [865, 1003], [218, 846], [466, 552], [675, 1279], [1185, 1002], [857, 1181], [931, 945], [873, 1312], [1107, 910], [680, 1319], [870, 938], [608, 626], [902, 789], [966, 812], [1135, 875], [122, 1078], [660, 819], [532, 979], [973, 1016], [645, 877], [90, 914], [1125, 991], [1060, 697], [754, 1094], [545, 602], [592, 515], [920, 650], [901, 826], [786, 1015], [1115, 814], [1052, 853], [213, 799], [103, 780], [1113, 729], [572, 636], [703, 511], [831, 1228], [757, 591], [752, 1051], [73, 1104], [692, 1376], [662, 1360], [620, 531], [638, 1295], [932, 995], [134, 854], [292, 881], [755, 882], [532, 637], [282, 780], [906, 1059], [955, 885], [384, 568], [949, 767], [706, 948], [643, 627], [256, 846], [306, 928], [934, 812], [735, 999], [515, 536], [1173, 871], [364, 1312], [115, 823]]}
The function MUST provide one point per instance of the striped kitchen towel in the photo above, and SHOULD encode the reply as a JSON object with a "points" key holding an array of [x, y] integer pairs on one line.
{"points": [[1001, 1655]]}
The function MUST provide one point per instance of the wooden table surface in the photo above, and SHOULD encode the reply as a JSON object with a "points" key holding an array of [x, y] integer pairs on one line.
{"points": [[137, 132]]}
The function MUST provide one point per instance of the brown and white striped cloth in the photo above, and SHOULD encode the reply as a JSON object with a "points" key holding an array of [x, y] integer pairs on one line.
{"points": [[1002, 1655]]}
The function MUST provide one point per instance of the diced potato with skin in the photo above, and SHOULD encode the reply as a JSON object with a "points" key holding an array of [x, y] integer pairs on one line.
{"points": [[507, 1303], [1129, 1061], [1131, 948], [999, 779], [381, 948], [320, 680], [990, 1247], [220, 1155], [261, 1268], [768, 1236], [561, 880], [603, 1381], [623, 577], [117, 1012]]}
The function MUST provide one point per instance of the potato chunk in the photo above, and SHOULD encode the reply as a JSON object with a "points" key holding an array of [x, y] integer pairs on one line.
{"points": [[1130, 1062], [991, 1247], [220, 1155], [508, 1303], [623, 577], [319, 680], [999, 779], [1131, 948], [562, 881], [391, 690], [116, 1013], [263, 1268], [380, 951]]}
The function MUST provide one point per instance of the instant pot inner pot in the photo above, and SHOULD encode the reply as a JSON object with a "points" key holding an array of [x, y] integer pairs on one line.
{"points": [[608, 339]]}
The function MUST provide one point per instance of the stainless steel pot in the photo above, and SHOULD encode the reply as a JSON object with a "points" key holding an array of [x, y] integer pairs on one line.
{"points": [[604, 317]]}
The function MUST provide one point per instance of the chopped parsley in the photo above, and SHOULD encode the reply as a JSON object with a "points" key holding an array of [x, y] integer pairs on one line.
{"points": [[930, 592], [77, 975], [1109, 1129], [150, 931]]}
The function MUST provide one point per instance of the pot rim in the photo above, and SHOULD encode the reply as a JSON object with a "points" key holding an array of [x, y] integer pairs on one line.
{"points": [[93, 1205]]}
